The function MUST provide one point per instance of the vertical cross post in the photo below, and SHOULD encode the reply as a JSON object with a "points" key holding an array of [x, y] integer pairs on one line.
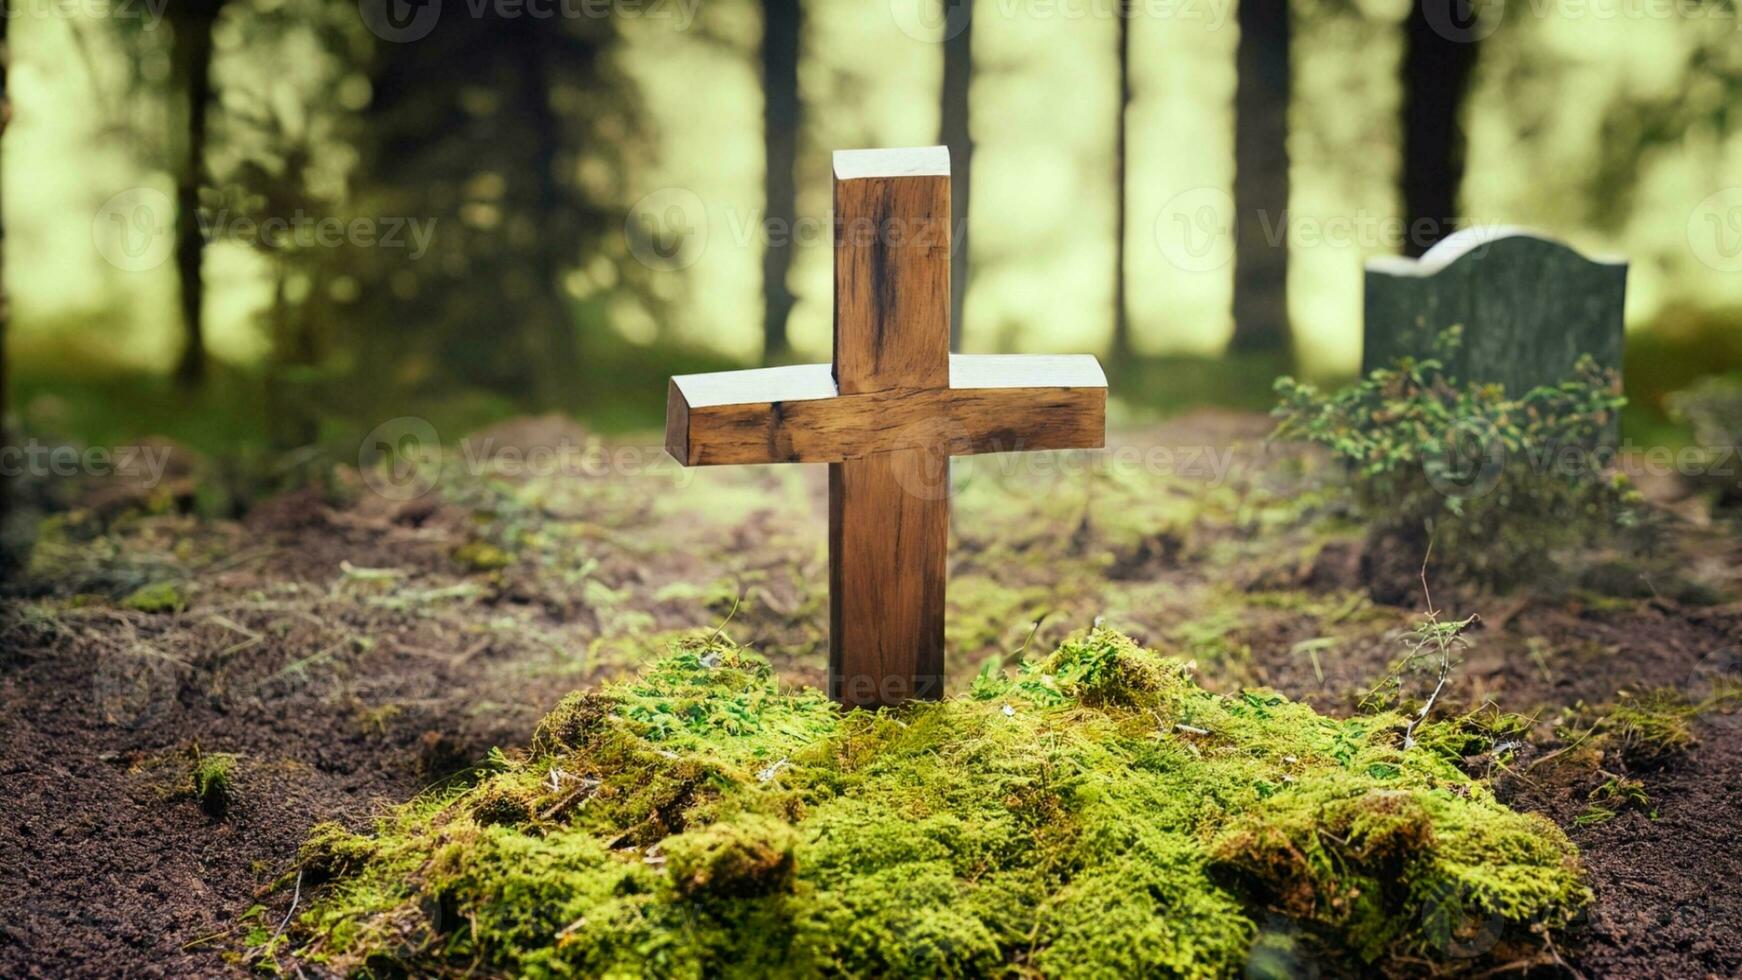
{"points": [[889, 512], [887, 416]]}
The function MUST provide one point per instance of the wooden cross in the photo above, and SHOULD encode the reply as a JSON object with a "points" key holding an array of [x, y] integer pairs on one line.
{"points": [[886, 416]]}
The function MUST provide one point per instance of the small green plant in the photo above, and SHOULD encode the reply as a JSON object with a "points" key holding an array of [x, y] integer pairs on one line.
{"points": [[1499, 481], [1433, 646], [1614, 795], [482, 556], [1650, 730], [158, 597], [214, 782], [1435, 638]]}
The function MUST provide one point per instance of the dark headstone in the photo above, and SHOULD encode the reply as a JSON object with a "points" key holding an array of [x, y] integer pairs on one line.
{"points": [[1529, 307]]}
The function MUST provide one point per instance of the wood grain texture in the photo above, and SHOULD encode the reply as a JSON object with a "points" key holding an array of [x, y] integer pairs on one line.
{"points": [[952, 421], [995, 403], [887, 415], [889, 513], [889, 521], [892, 276]]}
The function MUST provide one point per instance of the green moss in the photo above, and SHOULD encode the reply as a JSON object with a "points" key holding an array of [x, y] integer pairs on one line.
{"points": [[214, 782], [158, 597], [502, 802], [1092, 812], [620, 653], [482, 556], [1610, 798], [1650, 730], [745, 857]]}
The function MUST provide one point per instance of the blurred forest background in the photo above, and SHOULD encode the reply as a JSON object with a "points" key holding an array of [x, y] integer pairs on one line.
{"points": [[265, 225]]}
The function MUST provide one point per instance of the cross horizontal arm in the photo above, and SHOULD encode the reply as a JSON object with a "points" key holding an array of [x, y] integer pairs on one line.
{"points": [[994, 403]]}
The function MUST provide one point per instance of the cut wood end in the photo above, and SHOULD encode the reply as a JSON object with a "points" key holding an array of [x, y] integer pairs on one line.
{"points": [[754, 386], [677, 424], [1026, 371], [912, 161]]}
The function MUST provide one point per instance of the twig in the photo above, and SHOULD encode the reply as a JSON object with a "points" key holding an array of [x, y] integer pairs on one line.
{"points": [[1017, 656], [1548, 940], [235, 561], [583, 792], [295, 895], [1432, 613], [1575, 743], [728, 619], [1433, 618], [202, 940], [1445, 672], [1516, 966]]}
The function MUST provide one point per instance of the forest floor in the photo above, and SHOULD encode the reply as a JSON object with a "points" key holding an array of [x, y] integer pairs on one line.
{"points": [[351, 648]]}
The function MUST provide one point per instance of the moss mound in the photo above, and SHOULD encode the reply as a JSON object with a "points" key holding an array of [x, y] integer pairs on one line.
{"points": [[1097, 812], [159, 597]]}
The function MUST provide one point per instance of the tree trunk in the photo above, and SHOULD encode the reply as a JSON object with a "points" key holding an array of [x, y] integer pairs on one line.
{"points": [[1436, 79], [552, 343], [782, 115], [1261, 99], [192, 59], [8, 559], [954, 132], [1121, 324]]}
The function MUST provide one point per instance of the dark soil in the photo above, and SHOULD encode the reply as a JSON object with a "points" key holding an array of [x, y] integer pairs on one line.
{"points": [[352, 654], [113, 868], [1669, 887]]}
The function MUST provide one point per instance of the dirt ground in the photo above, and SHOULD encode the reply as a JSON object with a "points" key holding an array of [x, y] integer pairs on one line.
{"points": [[352, 645]]}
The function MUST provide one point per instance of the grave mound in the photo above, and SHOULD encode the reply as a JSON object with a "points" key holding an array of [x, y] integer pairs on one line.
{"points": [[1092, 811]]}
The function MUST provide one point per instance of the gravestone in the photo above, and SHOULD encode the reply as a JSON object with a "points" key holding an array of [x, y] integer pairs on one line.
{"points": [[1529, 307], [886, 416]]}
